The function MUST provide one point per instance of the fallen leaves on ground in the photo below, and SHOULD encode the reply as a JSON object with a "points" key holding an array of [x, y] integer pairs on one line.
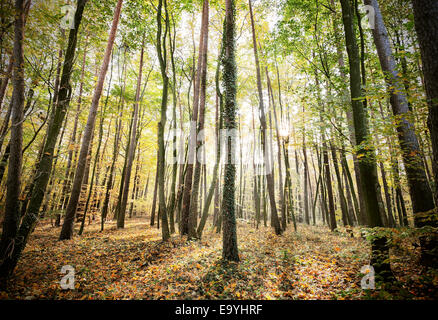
{"points": [[133, 263]]}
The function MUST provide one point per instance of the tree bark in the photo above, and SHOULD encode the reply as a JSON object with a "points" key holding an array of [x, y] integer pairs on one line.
{"points": [[67, 227], [229, 237], [343, 202], [426, 25], [213, 190], [366, 156], [193, 212], [192, 157], [72, 146], [269, 173], [280, 164], [42, 174], [12, 205], [426, 22], [132, 145], [162, 57]]}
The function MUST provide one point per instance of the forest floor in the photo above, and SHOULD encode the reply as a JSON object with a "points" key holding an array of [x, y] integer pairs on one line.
{"points": [[133, 263]]}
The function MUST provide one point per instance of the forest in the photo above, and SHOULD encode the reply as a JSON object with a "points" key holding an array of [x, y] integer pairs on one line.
{"points": [[219, 150]]}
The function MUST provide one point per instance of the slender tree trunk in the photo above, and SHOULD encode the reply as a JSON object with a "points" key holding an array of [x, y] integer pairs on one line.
{"points": [[42, 174], [229, 248], [162, 57], [426, 25], [172, 200], [154, 198], [118, 207], [192, 233], [9, 71], [288, 185], [93, 172], [135, 187], [268, 164], [12, 206], [213, 190], [421, 194], [306, 182], [132, 145], [343, 202], [349, 197], [68, 172], [4, 161], [192, 157], [110, 180], [5, 80], [328, 181], [403, 218], [367, 162], [349, 184], [331, 213], [256, 194], [67, 227], [280, 165], [299, 206], [362, 209], [96, 158]]}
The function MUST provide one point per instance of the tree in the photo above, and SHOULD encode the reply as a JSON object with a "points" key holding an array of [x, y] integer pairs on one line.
{"points": [[67, 227], [367, 162], [280, 171], [229, 237], [162, 57], [12, 205], [132, 145], [265, 150], [426, 25], [43, 170], [192, 230], [192, 157], [219, 124], [172, 200]]}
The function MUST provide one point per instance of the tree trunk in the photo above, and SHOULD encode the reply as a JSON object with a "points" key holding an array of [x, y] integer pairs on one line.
{"points": [[172, 200], [280, 165], [426, 25], [154, 198], [96, 158], [12, 206], [288, 185], [426, 16], [42, 174], [219, 123], [5, 80], [343, 202], [328, 181], [229, 237], [192, 156], [421, 195], [268, 164], [391, 223], [67, 227], [162, 57], [68, 171], [193, 212], [132, 145], [367, 162]]}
